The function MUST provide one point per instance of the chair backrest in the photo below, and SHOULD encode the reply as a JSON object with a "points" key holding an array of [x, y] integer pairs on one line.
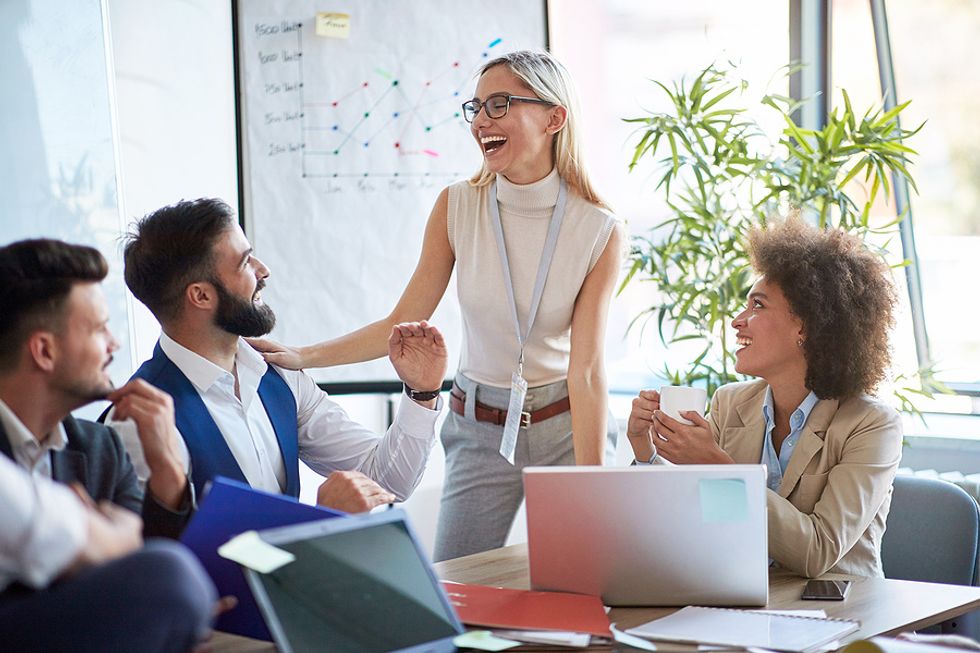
{"points": [[932, 533]]}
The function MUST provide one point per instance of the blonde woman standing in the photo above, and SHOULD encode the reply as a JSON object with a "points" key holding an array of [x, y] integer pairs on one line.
{"points": [[537, 255]]}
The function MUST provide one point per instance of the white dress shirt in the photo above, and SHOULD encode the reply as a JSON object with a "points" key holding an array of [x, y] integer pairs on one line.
{"points": [[43, 526], [29, 453], [328, 439]]}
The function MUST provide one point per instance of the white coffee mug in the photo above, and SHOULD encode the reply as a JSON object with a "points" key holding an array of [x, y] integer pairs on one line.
{"points": [[675, 399]]}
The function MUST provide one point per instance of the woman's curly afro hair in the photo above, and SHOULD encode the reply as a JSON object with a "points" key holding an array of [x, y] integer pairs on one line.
{"points": [[844, 296]]}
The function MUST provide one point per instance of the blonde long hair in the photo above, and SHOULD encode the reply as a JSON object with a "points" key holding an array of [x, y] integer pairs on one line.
{"points": [[550, 81]]}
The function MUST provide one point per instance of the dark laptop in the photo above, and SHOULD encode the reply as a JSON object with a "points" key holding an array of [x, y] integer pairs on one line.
{"points": [[360, 584]]}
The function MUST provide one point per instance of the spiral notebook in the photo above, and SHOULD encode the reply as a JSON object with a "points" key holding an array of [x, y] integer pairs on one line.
{"points": [[745, 628]]}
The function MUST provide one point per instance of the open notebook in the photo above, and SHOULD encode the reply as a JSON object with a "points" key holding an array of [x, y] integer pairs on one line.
{"points": [[745, 628]]}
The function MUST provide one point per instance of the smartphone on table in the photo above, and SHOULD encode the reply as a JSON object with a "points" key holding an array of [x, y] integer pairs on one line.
{"points": [[826, 590]]}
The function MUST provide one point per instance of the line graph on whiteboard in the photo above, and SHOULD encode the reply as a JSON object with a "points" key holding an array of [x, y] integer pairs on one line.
{"points": [[398, 117]]}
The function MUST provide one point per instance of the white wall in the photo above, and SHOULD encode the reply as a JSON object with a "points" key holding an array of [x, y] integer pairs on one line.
{"points": [[176, 111]]}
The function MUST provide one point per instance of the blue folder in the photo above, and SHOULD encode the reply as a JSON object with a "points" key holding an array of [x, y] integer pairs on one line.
{"points": [[230, 508]]}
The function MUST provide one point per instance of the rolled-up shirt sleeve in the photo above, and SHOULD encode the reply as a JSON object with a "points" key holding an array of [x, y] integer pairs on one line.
{"points": [[44, 527], [329, 440]]}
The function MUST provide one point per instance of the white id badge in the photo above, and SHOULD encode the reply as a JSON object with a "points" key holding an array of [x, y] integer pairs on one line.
{"points": [[508, 443]]}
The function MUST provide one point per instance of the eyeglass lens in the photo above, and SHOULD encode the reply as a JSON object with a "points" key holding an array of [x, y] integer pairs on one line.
{"points": [[496, 107]]}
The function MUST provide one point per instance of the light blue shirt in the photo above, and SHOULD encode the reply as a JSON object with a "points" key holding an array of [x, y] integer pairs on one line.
{"points": [[776, 465]]}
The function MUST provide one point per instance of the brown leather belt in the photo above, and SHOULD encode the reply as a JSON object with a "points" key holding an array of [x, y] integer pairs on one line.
{"points": [[498, 416]]}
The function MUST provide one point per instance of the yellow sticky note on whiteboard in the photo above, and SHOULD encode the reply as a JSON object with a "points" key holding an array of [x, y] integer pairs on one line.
{"points": [[333, 25]]}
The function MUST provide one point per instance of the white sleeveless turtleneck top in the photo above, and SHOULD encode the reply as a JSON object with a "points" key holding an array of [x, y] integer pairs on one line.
{"points": [[490, 348]]}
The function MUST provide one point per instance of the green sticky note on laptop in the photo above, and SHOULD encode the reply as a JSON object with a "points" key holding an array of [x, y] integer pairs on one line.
{"points": [[723, 500]]}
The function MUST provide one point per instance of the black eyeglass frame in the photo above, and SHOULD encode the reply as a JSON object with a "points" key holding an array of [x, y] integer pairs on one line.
{"points": [[510, 98]]}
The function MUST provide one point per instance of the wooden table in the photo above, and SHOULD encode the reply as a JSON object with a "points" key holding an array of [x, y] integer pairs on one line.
{"points": [[884, 607]]}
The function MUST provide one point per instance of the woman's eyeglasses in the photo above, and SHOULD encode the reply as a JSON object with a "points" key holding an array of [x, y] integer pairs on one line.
{"points": [[495, 105]]}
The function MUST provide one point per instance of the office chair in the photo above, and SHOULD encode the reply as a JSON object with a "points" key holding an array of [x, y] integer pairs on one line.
{"points": [[932, 535]]}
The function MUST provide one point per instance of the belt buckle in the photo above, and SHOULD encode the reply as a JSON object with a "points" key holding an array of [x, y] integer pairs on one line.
{"points": [[525, 419]]}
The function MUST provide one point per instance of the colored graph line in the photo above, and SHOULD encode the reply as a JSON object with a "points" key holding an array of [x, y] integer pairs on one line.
{"points": [[367, 114], [406, 109]]}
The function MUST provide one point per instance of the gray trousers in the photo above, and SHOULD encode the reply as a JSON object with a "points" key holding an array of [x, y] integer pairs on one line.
{"points": [[482, 491]]}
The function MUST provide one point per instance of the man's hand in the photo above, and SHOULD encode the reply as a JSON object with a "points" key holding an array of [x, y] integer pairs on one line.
{"points": [[224, 604], [153, 412], [112, 532], [352, 492], [418, 354]]}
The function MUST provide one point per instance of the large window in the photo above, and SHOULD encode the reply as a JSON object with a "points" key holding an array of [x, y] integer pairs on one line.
{"points": [[613, 49], [935, 61]]}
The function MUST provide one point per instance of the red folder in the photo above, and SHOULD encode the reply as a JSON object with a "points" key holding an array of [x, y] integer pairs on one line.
{"points": [[498, 607]]}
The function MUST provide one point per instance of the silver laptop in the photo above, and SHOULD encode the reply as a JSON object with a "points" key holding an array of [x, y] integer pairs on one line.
{"points": [[360, 584], [657, 535]]}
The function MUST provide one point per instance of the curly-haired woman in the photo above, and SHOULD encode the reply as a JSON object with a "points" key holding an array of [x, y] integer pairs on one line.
{"points": [[815, 332]]}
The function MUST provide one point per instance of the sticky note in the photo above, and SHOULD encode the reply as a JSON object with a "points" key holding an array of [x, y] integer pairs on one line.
{"points": [[334, 25], [723, 500], [483, 640], [250, 550]]}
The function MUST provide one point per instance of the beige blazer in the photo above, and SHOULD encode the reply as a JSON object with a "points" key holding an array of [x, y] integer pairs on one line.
{"points": [[829, 513]]}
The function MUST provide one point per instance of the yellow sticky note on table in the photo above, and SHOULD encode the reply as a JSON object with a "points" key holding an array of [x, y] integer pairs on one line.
{"points": [[334, 25], [250, 550], [483, 640]]}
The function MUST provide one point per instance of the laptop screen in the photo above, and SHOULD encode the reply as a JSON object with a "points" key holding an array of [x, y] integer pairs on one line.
{"points": [[365, 588]]}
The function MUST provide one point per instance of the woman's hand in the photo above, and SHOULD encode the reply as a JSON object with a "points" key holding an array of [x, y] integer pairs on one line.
{"points": [[291, 358], [418, 354], [687, 444], [640, 424]]}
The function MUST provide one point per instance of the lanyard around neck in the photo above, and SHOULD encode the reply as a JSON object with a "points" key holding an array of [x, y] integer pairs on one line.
{"points": [[543, 266]]}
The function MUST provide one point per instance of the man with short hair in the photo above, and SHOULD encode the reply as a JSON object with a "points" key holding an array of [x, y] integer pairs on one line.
{"points": [[55, 346], [192, 266]]}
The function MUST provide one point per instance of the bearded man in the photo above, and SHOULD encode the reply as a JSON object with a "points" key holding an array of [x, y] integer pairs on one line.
{"points": [[237, 416]]}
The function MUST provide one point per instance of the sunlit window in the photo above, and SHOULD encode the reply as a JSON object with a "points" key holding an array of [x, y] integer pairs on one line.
{"points": [[938, 74], [613, 49]]}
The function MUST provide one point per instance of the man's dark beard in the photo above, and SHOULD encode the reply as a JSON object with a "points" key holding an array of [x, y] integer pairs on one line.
{"points": [[240, 316]]}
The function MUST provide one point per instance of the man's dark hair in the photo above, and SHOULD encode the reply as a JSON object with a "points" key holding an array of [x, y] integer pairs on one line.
{"points": [[171, 248], [36, 277]]}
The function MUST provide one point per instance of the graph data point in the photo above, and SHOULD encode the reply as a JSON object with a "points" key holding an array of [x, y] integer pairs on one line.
{"points": [[336, 151], [367, 114], [428, 129], [394, 115], [398, 144], [395, 83], [334, 103]]}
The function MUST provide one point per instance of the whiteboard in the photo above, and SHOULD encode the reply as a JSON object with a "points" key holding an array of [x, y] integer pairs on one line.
{"points": [[58, 163], [347, 142]]}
